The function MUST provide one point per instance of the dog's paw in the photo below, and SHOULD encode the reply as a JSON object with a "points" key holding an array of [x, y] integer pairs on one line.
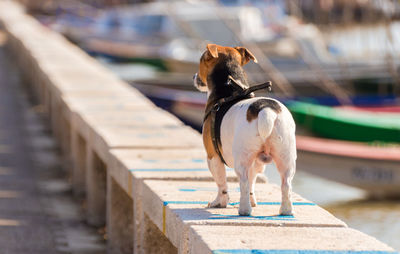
{"points": [[244, 211], [216, 204], [220, 202], [288, 210]]}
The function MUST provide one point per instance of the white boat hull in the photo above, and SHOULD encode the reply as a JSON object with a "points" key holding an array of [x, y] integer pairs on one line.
{"points": [[377, 177]]}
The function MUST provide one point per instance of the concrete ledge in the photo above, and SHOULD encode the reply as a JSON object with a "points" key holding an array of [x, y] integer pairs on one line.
{"points": [[188, 200], [113, 116], [169, 164], [256, 239], [154, 137], [175, 205]]}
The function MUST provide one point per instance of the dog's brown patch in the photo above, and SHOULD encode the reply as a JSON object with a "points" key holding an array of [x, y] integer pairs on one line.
{"points": [[258, 105], [207, 140]]}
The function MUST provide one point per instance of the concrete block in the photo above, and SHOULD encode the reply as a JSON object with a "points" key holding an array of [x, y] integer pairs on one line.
{"points": [[104, 138], [81, 81], [281, 240], [167, 164], [84, 99], [119, 219], [195, 195], [174, 205], [153, 240], [111, 114], [80, 130], [98, 153], [96, 188], [82, 103], [130, 166], [78, 158], [129, 118], [79, 127]]}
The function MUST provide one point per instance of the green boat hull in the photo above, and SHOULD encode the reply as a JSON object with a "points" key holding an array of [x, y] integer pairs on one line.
{"points": [[346, 124]]}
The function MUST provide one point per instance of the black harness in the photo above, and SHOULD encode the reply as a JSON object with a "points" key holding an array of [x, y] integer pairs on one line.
{"points": [[222, 106]]}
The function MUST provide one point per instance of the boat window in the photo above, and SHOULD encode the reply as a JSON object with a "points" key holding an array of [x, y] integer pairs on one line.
{"points": [[150, 24], [107, 22]]}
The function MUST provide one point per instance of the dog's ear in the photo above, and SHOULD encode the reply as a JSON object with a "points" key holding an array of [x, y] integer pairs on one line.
{"points": [[246, 55], [213, 49]]}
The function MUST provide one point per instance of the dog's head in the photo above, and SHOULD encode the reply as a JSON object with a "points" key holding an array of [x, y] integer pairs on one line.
{"points": [[217, 63]]}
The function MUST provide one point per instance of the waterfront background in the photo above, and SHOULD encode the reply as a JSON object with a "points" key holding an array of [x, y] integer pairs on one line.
{"points": [[341, 55]]}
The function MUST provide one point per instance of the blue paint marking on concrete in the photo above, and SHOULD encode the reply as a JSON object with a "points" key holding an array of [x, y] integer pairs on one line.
{"points": [[277, 203], [239, 217], [231, 217], [187, 190], [198, 160], [169, 170], [237, 251], [177, 161], [193, 189], [231, 203], [165, 203]]}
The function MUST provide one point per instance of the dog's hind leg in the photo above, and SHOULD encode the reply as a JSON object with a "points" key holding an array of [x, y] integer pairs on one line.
{"points": [[286, 188], [256, 169], [242, 170], [286, 166], [218, 172]]}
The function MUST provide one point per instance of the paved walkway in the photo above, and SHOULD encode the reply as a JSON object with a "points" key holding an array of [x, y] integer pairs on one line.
{"points": [[37, 212]]}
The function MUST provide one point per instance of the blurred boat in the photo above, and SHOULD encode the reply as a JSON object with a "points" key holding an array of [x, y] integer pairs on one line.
{"points": [[379, 109], [371, 168], [141, 32], [176, 93], [172, 36], [346, 124]]}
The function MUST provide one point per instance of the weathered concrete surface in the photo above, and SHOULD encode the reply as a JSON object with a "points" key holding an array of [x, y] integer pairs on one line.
{"points": [[119, 219], [129, 167], [105, 138], [96, 188], [37, 213], [188, 198], [167, 164], [204, 239], [131, 118], [72, 107], [137, 117]]}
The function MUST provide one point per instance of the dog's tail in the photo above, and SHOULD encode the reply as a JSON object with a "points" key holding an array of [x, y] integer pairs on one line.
{"points": [[266, 122]]}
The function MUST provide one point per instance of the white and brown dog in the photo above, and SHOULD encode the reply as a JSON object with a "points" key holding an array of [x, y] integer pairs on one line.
{"points": [[253, 131]]}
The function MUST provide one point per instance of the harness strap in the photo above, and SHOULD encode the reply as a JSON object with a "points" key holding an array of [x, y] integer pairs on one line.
{"points": [[216, 138], [225, 103], [241, 95]]}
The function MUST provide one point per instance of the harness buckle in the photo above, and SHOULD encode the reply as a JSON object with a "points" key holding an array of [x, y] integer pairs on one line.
{"points": [[216, 107]]}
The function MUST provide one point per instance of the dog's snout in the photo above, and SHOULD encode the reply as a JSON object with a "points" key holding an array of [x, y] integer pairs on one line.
{"points": [[199, 84]]}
